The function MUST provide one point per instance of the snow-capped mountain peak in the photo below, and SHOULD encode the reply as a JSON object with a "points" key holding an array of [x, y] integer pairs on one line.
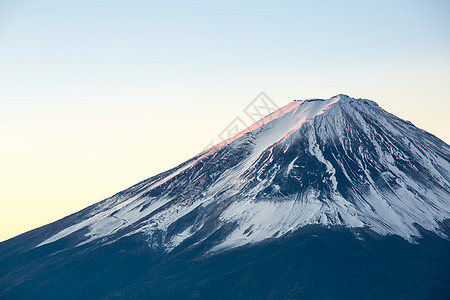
{"points": [[329, 162]]}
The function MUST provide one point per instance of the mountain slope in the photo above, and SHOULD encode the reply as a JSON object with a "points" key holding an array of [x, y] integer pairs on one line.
{"points": [[344, 164], [332, 162]]}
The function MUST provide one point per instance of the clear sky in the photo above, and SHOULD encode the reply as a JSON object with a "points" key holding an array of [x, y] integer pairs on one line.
{"points": [[98, 95]]}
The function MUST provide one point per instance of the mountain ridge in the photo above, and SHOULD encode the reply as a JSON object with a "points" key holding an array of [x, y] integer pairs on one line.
{"points": [[299, 204], [300, 195]]}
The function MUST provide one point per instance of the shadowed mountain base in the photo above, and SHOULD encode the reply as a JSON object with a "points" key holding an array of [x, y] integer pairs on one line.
{"points": [[314, 263]]}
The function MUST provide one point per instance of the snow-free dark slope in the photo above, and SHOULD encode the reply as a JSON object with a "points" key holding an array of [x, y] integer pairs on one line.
{"points": [[330, 189]]}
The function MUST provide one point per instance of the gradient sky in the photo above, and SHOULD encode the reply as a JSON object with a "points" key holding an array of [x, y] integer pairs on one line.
{"points": [[98, 95]]}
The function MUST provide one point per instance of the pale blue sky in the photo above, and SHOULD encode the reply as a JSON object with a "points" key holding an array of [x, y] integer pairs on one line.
{"points": [[92, 44], [97, 95]]}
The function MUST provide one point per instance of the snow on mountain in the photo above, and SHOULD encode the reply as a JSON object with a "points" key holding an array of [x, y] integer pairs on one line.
{"points": [[340, 161]]}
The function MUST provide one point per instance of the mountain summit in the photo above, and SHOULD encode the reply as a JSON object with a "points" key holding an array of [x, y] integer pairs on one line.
{"points": [[339, 161], [318, 165]]}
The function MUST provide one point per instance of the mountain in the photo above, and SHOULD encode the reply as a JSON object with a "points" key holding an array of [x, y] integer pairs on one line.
{"points": [[324, 198]]}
